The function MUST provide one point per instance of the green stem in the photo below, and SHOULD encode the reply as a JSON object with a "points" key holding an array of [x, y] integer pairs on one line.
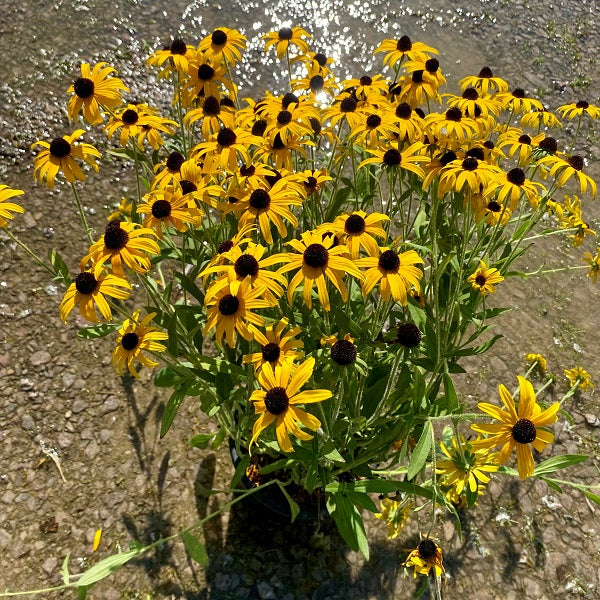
{"points": [[86, 227], [31, 253]]}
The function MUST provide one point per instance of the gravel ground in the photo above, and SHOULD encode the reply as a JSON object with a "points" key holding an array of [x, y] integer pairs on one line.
{"points": [[59, 394]]}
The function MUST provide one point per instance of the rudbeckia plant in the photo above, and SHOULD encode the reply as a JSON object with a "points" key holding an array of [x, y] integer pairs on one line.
{"points": [[312, 273]]}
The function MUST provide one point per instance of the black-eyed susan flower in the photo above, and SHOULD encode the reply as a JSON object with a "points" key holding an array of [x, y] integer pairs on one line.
{"points": [[272, 206], [225, 148], [473, 105], [230, 311], [278, 402], [484, 280], [89, 290], [141, 122], [394, 159], [409, 123], [425, 557], [248, 264], [212, 114], [313, 180], [346, 108], [484, 82], [8, 208], [520, 144], [133, 338], [408, 334], [538, 362], [316, 62], [465, 467], [578, 109], [580, 377], [165, 208], [467, 174], [488, 209], [343, 352], [565, 168], [518, 102], [122, 210], [594, 262], [417, 88], [358, 230], [366, 86], [518, 427], [542, 117], [395, 272], [60, 154], [317, 260], [451, 126], [292, 122], [168, 171], [512, 185], [176, 56], [277, 345], [224, 44], [205, 78], [286, 37], [279, 153], [429, 67], [317, 84], [123, 243], [375, 127], [93, 90], [403, 47]]}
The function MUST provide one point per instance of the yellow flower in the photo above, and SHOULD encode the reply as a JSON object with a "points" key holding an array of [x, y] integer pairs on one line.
{"points": [[577, 109], [484, 82], [177, 56], [135, 336], [483, 279], [568, 167], [579, 376], [224, 44], [59, 154], [518, 428], [356, 230], [397, 50], [395, 514], [539, 361], [278, 402], [594, 262], [517, 102], [88, 291], [426, 556], [93, 90], [7, 208], [286, 37]]}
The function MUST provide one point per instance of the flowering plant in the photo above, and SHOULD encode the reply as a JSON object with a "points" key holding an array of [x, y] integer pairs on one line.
{"points": [[317, 265]]}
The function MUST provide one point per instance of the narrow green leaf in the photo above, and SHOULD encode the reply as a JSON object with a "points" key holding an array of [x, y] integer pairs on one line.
{"points": [[64, 570], [170, 411], [60, 268], [240, 470], [558, 462], [194, 548], [97, 331], [294, 508], [451, 397], [105, 567], [335, 456], [201, 440], [591, 496], [421, 452]]}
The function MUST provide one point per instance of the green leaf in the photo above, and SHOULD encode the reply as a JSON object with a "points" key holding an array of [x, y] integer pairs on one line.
{"points": [[189, 285], [451, 397], [379, 486], [201, 440], [97, 331], [105, 567], [419, 456], [64, 570], [591, 496], [350, 524], [60, 268], [335, 456], [194, 548], [294, 508], [240, 470], [170, 411], [558, 462]]}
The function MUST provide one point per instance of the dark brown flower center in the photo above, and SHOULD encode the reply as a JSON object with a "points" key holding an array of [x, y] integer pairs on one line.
{"points": [[130, 117], [226, 137], [348, 105], [224, 246], [284, 117], [417, 77], [366, 80], [83, 87], [373, 121], [316, 83], [288, 99], [285, 33], [432, 65], [392, 157], [516, 176], [315, 125], [259, 127], [476, 153], [485, 73], [227, 101], [404, 44], [480, 280], [343, 352], [524, 432], [576, 161], [518, 93], [246, 265], [524, 139], [276, 400], [316, 256], [260, 199], [174, 161], [85, 283], [187, 187], [403, 110], [247, 171], [205, 72], [389, 261], [470, 94], [273, 179], [494, 206], [130, 341], [228, 305], [218, 37], [489, 145], [447, 158], [454, 114], [549, 144], [161, 209], [59, 148], [271, 352], [427, 549], [178, 46], [582, 104], [408, 335], [278, 143], [115, 237], [354, 225], [311, 184], [321, 59]]}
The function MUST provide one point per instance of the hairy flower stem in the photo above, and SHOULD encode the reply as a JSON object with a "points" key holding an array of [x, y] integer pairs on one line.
{"points": [[88, 230]]}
